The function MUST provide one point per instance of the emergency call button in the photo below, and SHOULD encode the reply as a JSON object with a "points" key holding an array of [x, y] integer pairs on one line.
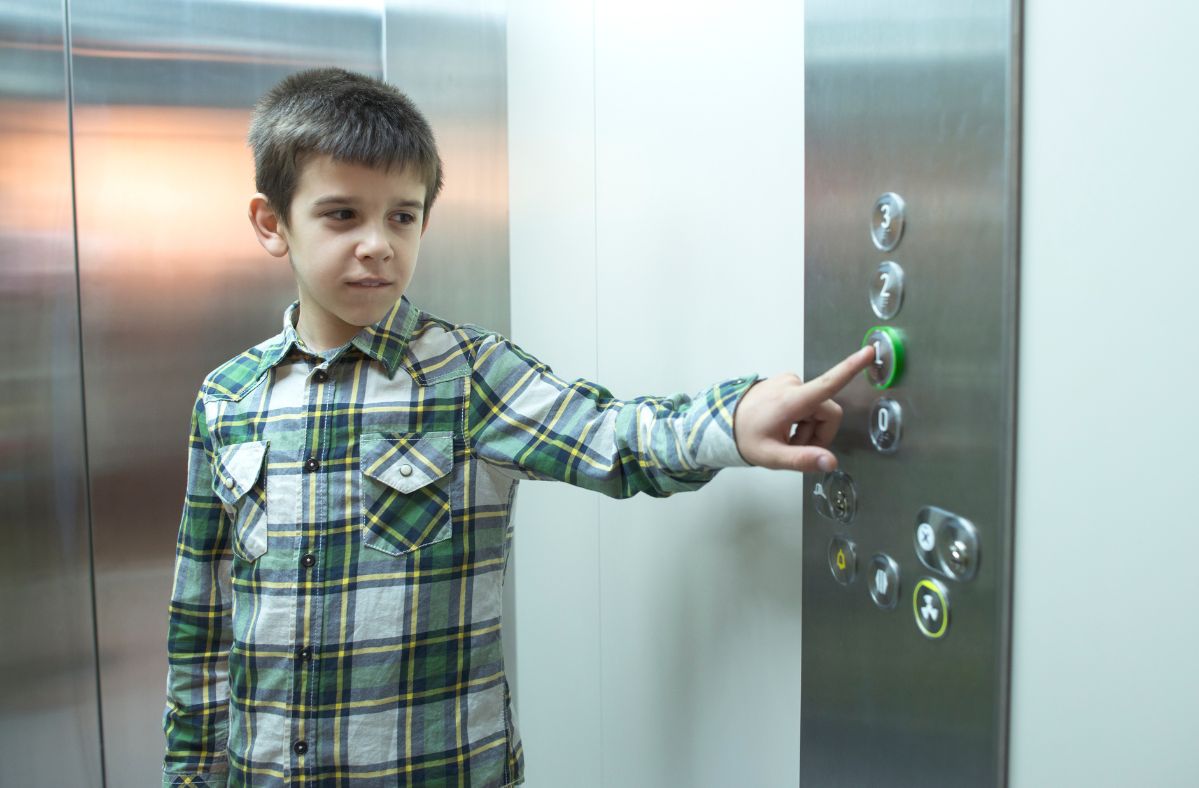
{"points": [[930, 604], [888, 356]]}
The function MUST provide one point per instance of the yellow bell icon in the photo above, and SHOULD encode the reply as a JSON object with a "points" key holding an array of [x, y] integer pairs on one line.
{"points": [[840, 559]]}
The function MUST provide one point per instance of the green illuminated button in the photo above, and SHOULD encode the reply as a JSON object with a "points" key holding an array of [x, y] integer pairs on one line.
{"points": [[888, 356], [930, 604]]}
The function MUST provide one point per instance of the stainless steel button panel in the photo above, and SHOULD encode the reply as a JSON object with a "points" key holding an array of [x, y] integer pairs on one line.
{"points": [[930, 605], [886, 292], [836, 497], [888, 356], [843, 560], [886, 226], [886, 425], [883, 578], [947, 543]]}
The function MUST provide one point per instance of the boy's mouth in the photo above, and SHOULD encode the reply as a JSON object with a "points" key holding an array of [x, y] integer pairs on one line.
{"points": [[369, 283]]}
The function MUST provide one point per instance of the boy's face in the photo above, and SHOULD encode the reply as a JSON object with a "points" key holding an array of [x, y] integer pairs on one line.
{"points": [[351, 225]]}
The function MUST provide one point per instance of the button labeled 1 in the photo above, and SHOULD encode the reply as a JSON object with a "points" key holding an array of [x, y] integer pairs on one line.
{"points": [[888, 356]]}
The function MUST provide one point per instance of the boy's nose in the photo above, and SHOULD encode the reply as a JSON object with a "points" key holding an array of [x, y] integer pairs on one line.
{"points": [[374, 244]]}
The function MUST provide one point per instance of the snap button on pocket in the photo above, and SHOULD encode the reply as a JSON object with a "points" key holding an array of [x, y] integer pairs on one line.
{"points": [[405, 495], [236, 472]]}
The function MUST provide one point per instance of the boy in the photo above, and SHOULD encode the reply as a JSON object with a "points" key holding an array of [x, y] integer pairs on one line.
{"points": [[335, 617]]}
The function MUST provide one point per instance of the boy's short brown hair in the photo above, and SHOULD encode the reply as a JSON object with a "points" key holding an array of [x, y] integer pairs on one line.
{"points": [[350, 117]]}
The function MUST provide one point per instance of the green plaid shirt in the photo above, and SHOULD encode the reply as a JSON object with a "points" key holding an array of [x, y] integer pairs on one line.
{"points": [[335, 613]]}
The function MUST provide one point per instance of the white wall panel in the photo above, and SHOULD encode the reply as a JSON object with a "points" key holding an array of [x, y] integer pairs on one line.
{"points": [[555, 563], [1104, 688], [657, 246]]}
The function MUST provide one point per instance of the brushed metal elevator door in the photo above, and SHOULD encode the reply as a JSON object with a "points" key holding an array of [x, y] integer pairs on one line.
{"points": [[911, 161]]}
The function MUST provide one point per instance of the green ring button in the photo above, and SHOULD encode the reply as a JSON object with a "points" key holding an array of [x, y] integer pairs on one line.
{"points": [[888, 349]]}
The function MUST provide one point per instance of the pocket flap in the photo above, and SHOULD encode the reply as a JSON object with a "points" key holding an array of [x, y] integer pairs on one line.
{"points": [[407, 462], [237, 469]]}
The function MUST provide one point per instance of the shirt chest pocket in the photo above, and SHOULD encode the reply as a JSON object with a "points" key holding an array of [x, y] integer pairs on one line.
{"points": [[240, 482], [406, 501]]}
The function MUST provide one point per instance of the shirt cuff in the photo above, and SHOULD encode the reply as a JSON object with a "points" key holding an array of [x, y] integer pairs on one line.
{"points": [[718, 449]]}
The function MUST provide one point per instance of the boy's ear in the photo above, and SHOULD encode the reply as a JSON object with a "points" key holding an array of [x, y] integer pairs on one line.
{"points": [[271, 234]]}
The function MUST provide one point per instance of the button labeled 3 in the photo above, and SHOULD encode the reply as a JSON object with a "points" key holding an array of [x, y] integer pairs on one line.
{"points": [[886, 224], [888, 356]]}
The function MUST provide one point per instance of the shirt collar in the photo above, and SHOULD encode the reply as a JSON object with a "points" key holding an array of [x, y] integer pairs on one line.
{"points": [[384, 341]]}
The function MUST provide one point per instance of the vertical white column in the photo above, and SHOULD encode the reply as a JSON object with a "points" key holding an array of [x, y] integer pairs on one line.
{"points": [[1105, 689]]}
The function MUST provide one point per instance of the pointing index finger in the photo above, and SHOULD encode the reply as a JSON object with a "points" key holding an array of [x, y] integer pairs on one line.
{"points": [[839, 376]]}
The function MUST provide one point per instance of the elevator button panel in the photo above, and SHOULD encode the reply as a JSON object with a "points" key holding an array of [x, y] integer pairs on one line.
{"points": [[947, 543], [886, 226], [886, 291], [836, 497], [930, 605], [888, 356], [843, 560], [884, 581], [886, 425]]}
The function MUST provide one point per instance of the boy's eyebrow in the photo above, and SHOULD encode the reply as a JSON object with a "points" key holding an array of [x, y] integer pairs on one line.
{"points": [[337, 198]]}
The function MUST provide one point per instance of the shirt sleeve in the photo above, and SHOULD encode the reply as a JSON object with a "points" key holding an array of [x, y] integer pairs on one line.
{"points": [[195, 720], [526, 420]]}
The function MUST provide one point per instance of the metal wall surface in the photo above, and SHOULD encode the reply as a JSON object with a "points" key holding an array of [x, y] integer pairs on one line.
{"points": [[172, 283], [49, 721], [451, 58], [917, 99]]}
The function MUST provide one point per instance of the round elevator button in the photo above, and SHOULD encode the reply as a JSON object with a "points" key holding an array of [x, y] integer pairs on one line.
{"points": [[886, 423], [843, 560], [883, 578], [886, 291], [888, 356], [836, 497], [930, 604], [886, 222]]}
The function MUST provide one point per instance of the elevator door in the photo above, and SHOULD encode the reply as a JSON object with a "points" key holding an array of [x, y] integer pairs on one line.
{"points": [[911, 247]]}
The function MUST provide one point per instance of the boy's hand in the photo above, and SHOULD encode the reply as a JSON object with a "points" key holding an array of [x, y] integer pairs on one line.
{"points": [[767, 412]]}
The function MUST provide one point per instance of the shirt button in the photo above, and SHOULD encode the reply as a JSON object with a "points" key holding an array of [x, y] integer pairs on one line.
{"points": [[308, 560], [405, 470], [300, 747], [321, 376], [229, 482], [312, 464], [306, 653]]}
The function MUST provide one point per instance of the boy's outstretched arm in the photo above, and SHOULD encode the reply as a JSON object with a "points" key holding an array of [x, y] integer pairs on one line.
{"points": [[195, 720], [787, 424]]}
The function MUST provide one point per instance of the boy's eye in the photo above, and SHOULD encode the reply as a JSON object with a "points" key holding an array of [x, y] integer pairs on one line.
{"points": [[342, 213], [404, 218]]}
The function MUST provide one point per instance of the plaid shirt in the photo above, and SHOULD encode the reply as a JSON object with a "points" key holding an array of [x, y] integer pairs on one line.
{"points": [[335, 614]]}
